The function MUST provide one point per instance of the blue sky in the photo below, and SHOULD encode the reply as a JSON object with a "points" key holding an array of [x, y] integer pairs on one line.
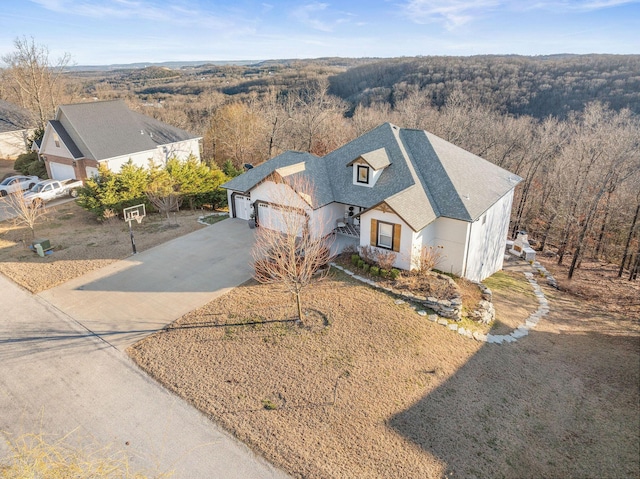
{"points": [[98, 32]]}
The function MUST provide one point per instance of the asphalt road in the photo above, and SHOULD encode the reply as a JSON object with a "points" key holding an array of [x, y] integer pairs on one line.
{"points": [[58, 378]]}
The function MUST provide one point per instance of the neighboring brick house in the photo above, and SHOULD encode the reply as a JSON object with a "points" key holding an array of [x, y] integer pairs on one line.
{"points": [[85, 135], [15, 129]]}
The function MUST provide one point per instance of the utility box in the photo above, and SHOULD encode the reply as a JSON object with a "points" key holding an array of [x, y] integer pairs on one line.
{"points": [[45, 244]]}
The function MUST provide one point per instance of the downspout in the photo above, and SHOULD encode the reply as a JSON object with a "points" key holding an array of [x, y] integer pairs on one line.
{"points": [[466, 252]]}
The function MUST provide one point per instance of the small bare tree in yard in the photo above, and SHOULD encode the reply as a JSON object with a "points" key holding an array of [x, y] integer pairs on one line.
{"points": [[26, 213], [162, 193], [429, 258], [290, 249]]}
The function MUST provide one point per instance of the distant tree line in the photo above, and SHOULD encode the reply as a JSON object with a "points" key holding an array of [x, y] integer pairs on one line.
{"points": [[535, 86]]}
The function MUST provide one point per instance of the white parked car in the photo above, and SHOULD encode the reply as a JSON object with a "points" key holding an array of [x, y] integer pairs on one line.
{"points": [[49, 190], [18, 183]]}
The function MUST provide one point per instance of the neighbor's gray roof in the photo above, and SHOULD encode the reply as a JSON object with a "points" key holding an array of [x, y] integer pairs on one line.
{"points": [[65, 138], [13, 117], [106, 129], [427, 177]]}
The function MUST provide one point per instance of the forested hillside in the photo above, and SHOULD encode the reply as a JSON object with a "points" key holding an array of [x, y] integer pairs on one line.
{"points": [[536, 86]]}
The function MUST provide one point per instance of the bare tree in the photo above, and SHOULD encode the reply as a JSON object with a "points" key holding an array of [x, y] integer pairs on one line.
{"points": [[625, 254], [36, 83], [26, 213], [290, 247], [162, 192], [619, 162], [317, 119], [235, 134]]}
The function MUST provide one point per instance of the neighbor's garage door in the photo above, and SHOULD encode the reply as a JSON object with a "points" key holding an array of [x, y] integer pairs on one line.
{"points": [[242, 207], [61, 172], [276, 218]]}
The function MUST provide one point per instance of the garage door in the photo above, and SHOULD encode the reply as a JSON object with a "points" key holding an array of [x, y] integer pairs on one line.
{"points": [[276, 218], [61, 172], [242, 207]]}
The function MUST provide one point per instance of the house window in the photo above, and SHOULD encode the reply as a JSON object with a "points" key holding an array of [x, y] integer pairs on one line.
{"points": [[56, 140], [385, 235], [363, 174]]}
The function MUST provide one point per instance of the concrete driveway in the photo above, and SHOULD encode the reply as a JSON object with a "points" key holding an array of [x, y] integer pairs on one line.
{"points": [[129, 299]]}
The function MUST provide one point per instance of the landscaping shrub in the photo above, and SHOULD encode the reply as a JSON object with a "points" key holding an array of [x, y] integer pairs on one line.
{"points": [[368, 254], [384, 273], [29, 164], [366, 267], [394, 273], [354, 259], [430, 257], [361, 263], [385, 259], [114, 191], [192, 181], [375, 271]]}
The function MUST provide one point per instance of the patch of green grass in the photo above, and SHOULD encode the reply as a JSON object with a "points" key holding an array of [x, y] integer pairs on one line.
{"points": [[212, 219], [502, 281]]}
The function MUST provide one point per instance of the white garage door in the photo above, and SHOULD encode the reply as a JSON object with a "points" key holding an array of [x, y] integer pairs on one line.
{"points": [[242, 207], [275, 218], [91, 171], [61, 172]]}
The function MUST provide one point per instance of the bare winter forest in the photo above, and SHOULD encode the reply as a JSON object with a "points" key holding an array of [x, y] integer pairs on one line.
{"points": [[568, 125]]}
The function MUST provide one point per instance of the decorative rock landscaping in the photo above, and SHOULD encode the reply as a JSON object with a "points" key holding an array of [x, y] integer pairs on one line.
{"points": [[446, 309]]}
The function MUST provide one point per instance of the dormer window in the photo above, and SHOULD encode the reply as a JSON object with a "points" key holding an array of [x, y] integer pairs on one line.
{"points": [[368, 167], [363, 174]]}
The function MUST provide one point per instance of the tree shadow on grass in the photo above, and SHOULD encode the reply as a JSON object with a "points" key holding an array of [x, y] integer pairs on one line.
{"points": [[550, 405]]}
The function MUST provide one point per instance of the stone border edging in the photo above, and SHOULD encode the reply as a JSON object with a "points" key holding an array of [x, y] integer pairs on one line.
{"points": [[519, 332]]}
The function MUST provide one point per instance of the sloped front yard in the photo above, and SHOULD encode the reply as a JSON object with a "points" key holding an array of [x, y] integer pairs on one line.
{"points": [[368, 388]]}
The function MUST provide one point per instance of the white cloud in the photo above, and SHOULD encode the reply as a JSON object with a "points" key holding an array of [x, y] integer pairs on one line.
{"points": [[320, 17], [454, 13], [179, 13]]}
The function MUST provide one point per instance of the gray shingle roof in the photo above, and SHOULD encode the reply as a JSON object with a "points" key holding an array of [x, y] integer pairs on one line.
{"points": [[107, 129], [377, 159], [14, 118], [66, 139], [427, 177]]}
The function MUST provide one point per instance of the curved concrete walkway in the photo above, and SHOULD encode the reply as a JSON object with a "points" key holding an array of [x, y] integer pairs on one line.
{"points": [[57, 377]]}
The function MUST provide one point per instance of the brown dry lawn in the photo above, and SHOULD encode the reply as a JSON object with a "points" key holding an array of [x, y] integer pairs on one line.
{"points": [[369, 389]]}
